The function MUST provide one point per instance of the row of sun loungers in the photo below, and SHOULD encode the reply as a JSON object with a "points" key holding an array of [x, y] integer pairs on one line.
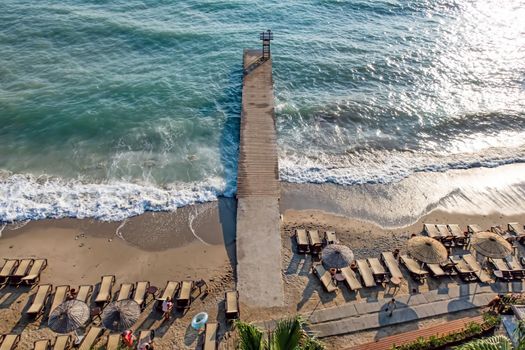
{"points": [[371, 272], [24, 271], [451, 234], [62, 342], [310, 241], [448, 234]]}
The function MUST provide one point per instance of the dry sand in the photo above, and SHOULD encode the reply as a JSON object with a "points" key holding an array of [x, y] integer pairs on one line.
{"points": [[155, 247]]}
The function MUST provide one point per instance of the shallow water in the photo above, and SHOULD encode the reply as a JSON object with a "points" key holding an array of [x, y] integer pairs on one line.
{"points": [[109, 109]]}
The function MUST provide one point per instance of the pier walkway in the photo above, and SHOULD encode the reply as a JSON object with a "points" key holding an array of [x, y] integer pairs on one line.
{"points": [[259, 277]]}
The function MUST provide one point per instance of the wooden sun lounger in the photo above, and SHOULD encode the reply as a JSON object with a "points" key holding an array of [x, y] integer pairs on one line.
{"points": [[315, 242], [443, 231], [59, 297], [325, 278], [431, 231], [10, 341], [140, 293], [436, 270], [481, 274], [62, 342], [104, 292], [84, 292], [7, 270], [459, 237], [125, 291], [21, 271], [210, 336], [302, 242], [413, 267], [378, 270], [392, 265], [366, 273], [501, 269], [183, 299], [33, 277], [170, 290], [232, 305], [90, 338], [330, 237], [351, 278], [464, 270], [39, 301], [42, 344], [515, 267], [113, 342], [517, 230], [473, 228]]}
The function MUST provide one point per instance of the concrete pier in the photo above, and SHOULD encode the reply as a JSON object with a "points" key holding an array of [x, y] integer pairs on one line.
{"points": [[259, 277]]}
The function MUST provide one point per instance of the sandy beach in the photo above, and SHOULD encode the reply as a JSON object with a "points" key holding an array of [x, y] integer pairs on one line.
{"points": [[198, 242]]}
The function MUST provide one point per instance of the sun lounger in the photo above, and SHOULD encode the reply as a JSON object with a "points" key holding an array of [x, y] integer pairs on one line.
{"points": [[315, 242], [39, 300], [459, 236], [392, 265], [170, 290], [42, 344], [302, 242], [366, 273], [210, 336], [84, 293], [443, 231], [62, 342], [351, 278], [7, 270], [515, 267], [104, 292], [232, 304], [325, 278], [436, 270], [330, 237], [414, 268], [465, 272], [125, 291], [21, 271], [59, 297], [473, 228], [10, 341], [113, 342], [33, 277], [90, 338], [140, 293], [481, 274], [378, 270], [517, 230], [431, 231], [183, 299]]}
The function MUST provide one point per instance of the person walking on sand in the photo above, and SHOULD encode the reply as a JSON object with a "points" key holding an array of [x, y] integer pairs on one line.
{"points": [[167, 306], [390, 307]]}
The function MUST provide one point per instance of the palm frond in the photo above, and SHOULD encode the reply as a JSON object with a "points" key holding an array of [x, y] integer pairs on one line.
{"points": [[287, 335], [497, 342], [250, 337]]}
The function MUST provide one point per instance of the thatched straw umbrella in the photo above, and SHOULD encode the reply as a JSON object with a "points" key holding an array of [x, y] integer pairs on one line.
{"points": [[120, 315], [490, 245], [68, 316], [427, 250], [337, 256]]}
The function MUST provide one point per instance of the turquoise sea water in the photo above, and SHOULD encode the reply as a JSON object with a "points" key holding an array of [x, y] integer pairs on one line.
{"points": [[111, 108]]}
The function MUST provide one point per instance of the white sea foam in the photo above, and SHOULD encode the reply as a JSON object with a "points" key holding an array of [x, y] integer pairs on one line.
{"points": [[24, 197]]}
